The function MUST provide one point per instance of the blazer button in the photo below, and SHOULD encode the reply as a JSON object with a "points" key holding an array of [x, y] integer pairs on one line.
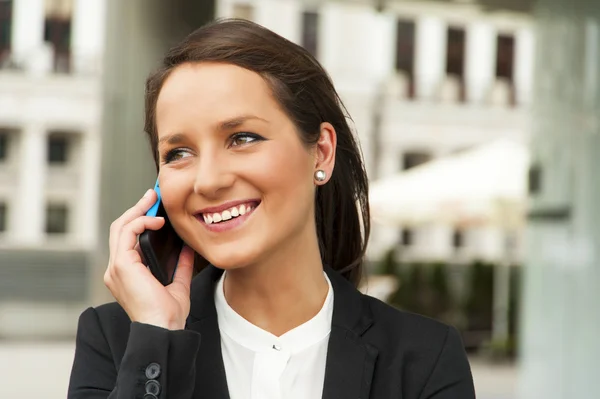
{"points": [[153, 387], [152, 371], [150, 396]]}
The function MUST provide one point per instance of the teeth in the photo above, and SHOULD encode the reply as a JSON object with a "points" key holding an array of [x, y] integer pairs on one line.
{"points": [[227, 215]]}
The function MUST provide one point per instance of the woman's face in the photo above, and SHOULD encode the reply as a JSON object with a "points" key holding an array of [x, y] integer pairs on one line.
{"points": [[236, 180]]}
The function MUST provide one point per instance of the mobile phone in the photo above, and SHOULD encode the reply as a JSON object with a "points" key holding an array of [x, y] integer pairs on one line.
{"points": [[160, 249]]}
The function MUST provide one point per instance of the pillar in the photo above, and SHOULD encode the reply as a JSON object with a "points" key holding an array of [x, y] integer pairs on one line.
{"points": [[480, 60], [430, 53], [88, 35], [28, 32], [87, 222], [560, 317], [30, 207], [524, 59]]}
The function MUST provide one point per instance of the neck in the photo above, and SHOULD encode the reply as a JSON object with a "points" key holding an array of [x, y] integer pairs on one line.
{"points": [[282, 292]]}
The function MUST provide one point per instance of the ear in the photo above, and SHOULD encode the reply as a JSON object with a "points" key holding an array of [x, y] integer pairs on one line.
{"points": [[325, 151]]}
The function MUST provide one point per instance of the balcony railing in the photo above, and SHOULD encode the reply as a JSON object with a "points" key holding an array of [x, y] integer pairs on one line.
{"points": [[500, 93], [46, 61]]}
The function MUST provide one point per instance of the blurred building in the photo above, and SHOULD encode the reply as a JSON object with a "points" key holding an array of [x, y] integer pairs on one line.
{"points": [[421, 80], [50, 102]]}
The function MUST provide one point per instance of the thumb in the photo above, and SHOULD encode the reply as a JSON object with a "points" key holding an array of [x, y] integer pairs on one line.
{"points": [[185, 268]]}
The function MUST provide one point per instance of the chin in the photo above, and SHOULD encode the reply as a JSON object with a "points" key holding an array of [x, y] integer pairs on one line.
{"points": [[228, 260]]}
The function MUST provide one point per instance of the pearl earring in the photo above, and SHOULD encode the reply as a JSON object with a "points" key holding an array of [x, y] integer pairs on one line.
{"points": [[320, 175]]}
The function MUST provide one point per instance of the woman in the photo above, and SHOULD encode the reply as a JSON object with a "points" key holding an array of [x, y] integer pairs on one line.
{"points": [[262, 178]]}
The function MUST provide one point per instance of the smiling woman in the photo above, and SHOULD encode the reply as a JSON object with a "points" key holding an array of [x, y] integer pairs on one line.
{"points": [[262, 178]]}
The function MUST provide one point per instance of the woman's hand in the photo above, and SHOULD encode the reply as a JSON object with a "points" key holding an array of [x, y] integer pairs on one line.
{"points": [[142, 296]]}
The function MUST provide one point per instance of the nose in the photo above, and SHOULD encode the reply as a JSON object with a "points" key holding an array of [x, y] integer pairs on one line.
{"points": [[212, 176]]}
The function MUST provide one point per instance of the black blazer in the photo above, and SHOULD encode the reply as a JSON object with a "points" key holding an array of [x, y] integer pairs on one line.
{"points": [[375, 352]]}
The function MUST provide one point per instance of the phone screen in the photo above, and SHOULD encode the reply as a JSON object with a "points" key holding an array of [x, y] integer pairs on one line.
{"points": [[161, 248]]}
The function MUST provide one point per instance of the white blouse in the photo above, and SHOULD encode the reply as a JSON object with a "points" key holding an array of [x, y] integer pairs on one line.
{"points": [[260, 365]]}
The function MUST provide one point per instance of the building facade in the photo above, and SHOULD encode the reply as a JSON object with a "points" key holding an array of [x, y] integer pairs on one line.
{"points": [[420, 80], [50, 97]]}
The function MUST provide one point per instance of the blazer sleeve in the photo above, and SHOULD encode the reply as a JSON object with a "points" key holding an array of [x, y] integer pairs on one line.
{"points": [[451, 376], [157, 363]]}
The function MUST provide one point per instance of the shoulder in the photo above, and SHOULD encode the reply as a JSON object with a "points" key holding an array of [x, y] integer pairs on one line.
{"points": [[412, 337], [426, 353], [401, 323]]}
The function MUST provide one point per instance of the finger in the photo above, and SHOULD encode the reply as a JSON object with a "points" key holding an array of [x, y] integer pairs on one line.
{"points": [[129, 235], [139, 209], [185, 267], [138, 249]]}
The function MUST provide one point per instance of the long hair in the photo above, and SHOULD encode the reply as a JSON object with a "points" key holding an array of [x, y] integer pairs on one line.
{"points": [[306, 94]]}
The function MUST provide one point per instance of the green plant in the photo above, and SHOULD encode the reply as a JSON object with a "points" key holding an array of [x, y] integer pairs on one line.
{"points": [[388, 264], [442, 302], [478, 307]]}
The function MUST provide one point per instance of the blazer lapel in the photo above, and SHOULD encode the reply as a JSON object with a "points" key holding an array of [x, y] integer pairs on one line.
{"points": [[211, 380], [350, 361]]}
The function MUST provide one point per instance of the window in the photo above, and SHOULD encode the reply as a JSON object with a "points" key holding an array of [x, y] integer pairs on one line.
{"points": [[58, 149], [405, 52], [455, 57], [3, 217], [505, 58], [458, 239], [534, 182], [412, 159], [5, 28], [4, 143], [310, 31], [243, 11], [407, 237], [57, 31], [56, 219]]}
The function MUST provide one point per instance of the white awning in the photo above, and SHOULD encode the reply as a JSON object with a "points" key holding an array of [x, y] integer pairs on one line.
{"points": [[482, 186]]}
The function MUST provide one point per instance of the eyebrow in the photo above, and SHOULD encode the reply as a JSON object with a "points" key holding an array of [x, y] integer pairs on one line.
{"points": [[172, 139], [225, 125], [237, 121]]}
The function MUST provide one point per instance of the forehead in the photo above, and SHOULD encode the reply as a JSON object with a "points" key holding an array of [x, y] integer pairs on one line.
{"points": [[210, 92]]}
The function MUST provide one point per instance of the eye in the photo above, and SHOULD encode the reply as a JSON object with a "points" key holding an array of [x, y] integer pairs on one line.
{"points": [[239, 139], [175, 155]]}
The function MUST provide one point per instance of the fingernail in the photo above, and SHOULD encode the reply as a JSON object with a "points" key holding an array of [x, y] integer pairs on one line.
{"points": [[148, 193]]}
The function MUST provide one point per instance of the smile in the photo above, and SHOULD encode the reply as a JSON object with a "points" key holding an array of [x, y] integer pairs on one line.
{"points": [[232, 216]]}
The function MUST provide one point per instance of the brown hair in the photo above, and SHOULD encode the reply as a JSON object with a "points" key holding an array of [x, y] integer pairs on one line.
{"points": [[305, 92]]}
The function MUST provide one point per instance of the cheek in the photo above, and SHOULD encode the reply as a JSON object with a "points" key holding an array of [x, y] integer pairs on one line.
{"points": [[287, 175], [173, 188]]}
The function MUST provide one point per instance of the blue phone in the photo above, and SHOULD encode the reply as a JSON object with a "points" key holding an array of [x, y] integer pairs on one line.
{"points": [[154, 210], [160, 248]]}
